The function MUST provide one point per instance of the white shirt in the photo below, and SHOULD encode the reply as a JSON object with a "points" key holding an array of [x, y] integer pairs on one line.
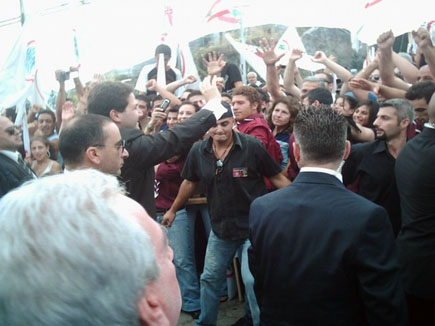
{"points": [[323, 170], [12, 155], [429, 125]]}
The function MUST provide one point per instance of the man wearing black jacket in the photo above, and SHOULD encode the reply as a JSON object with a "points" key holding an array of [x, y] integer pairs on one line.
{"points": [[116, 101]]}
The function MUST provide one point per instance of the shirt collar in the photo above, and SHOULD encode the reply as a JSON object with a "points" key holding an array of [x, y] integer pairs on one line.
{"points": [[323, 170], [12, 155], [381, 146], [429, 125], [236, 140]]}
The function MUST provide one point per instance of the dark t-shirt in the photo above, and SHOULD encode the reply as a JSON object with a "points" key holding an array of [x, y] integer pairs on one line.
{"points": [[231, 191], [231, 74]]}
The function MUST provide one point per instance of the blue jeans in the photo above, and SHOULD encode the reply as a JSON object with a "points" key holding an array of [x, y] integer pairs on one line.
{"points": [[181, 239], [219, 254]]}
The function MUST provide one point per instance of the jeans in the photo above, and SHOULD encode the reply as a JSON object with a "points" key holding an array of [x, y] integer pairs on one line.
{"points": [[181, 239], [219, 254]]}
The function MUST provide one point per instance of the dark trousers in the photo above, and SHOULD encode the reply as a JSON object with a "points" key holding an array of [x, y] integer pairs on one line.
{"points": [[421, 311]]}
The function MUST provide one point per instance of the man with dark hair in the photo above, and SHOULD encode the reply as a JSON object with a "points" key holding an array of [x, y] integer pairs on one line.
{"points": [[13, 170], [320, 254], [144, 104], [318, 96], [196, 98], [370, 166], [416, 241], [246, 104], [231, 165], [116, 101], [419, 95], [92, 141], [149, 72]]}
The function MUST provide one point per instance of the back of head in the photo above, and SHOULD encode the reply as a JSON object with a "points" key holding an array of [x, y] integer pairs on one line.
{"points": [[108, 96], [423, 89], [68, 258], [320, 94], [164, 49], [80, 133], [403, 108], [321, 135], [249, 92]]}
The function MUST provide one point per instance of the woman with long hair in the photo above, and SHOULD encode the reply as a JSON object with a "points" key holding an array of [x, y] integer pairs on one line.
{"points": [[282, 114], [41, 163]]}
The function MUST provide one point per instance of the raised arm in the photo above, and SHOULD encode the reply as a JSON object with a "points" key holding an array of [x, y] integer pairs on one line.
{"points": [[61, 98], [408, 70], [386, 66], [172, 87], [339, 70], [186, 191], [270, 58], [153, 86], [289, 74], [215, 64], [422, 38]]}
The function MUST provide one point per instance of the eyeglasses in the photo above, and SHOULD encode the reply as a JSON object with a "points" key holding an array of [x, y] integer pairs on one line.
{"points": [[219, 167], [11, 130], [119, 145]]}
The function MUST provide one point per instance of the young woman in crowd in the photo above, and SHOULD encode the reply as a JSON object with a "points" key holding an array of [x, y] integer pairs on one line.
{"points": [[283, 113], [365, 113], [42, 165]]}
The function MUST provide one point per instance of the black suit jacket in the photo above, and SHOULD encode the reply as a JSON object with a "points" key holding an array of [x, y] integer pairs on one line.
{"points": [[415, 177], [145, 151], [322, 255], [12, 175]]}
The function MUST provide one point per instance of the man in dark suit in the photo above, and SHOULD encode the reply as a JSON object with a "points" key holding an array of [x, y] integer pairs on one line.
{"points": [[322, 255], [416, 241], [13, 170]]}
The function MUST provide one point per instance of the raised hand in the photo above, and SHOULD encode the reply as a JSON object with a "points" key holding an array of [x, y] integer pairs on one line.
{"points": [[422, 38], [268, 52], [361, 83], [296, 54], [386, 40], [190, 79], [214, 63], [319, 57], [68, 111], [209, 89], [151, 85]]}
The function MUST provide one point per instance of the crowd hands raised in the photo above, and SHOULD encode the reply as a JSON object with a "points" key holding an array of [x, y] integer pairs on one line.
{"points": [[180, 151]]}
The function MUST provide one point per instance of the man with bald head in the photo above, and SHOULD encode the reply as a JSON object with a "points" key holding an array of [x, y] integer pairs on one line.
{"points": [[13, 170], [415, 177]]}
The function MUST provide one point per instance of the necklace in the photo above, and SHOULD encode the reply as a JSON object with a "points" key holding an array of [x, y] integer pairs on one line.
{"points": [[220, 158]]}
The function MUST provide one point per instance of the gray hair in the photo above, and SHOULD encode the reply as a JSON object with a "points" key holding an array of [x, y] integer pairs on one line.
{"points": [[68, 258], [403, 108], [314, 79], [321, 134]]}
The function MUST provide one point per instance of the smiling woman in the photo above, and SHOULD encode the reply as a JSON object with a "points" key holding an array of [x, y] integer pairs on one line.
{"points": [[42, 165]]}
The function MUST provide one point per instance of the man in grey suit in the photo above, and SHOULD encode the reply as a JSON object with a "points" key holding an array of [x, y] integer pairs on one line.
{"points": [[415, 178], [322, 255]]}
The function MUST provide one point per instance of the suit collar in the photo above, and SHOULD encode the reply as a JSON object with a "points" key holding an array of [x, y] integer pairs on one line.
{"points": [[318, 178]]}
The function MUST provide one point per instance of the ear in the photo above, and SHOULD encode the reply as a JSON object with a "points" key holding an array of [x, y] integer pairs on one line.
{"points": [[115, 116], [347, 151], [255, 107], [150, 310], [297, 152], [404, 123], [92, 155]]}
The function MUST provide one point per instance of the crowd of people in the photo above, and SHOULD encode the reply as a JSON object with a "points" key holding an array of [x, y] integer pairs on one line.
{"points": [[325, 193]]}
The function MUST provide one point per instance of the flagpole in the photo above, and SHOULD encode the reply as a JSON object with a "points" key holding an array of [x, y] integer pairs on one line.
{"points": [[242, 40], [23, 16]]}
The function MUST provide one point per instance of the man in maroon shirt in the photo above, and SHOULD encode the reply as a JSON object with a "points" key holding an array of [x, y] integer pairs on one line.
{"points": [[246, 106]]}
